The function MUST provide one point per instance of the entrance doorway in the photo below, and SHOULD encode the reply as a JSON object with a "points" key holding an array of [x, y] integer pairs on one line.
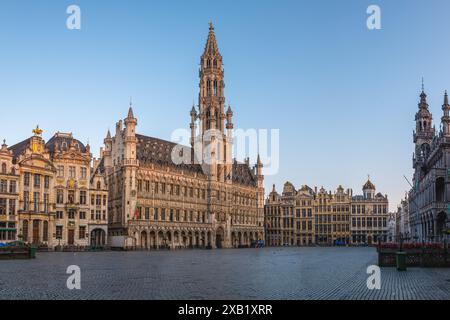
{"points": [[219, 238], [71, 237], [36, 224]]}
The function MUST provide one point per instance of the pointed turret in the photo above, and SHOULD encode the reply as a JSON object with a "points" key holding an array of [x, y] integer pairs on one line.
{"points": [[259, 166], [130, 113], [229, 111], [446, 116], [424, 133], [193, 112]]}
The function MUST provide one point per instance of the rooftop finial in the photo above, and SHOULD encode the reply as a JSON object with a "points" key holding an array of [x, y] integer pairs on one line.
{"points": [[211, 26], [423, 86], [37, 131]]}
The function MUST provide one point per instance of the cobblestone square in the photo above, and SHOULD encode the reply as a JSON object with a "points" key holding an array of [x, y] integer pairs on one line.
{"points": [[269, 273]]}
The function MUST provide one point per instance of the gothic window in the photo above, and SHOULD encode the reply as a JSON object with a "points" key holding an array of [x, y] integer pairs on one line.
{"points": [[99, 185], [208, 87], [208, 63], [215, 88], [215, 63]]}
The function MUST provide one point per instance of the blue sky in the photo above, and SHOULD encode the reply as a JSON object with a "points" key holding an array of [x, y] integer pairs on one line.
{"points": [[343, 97]]}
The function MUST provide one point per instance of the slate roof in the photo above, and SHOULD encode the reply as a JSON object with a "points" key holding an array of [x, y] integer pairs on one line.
{"points": [[64, 142], [152, 150], [19, 148]]}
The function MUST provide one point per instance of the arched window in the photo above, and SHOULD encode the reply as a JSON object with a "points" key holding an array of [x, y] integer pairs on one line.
{"points": [[4, 168], [215, 88], [208, 63], [99, 186], [215, 63]]}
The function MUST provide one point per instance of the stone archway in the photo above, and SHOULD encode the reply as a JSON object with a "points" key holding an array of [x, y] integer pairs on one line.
{"points": [[234, 240], [441, 220], [144, 240], [98, 237], [203, 239], [209, 239], [197, 239], [161, 239], [176, 238], [184, 239], [245, 239], [190, 240], [153, 243], [219, 237], [168, 238]]}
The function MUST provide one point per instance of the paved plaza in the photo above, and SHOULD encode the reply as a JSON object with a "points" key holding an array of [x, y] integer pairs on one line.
{"points": [[269, 273]]}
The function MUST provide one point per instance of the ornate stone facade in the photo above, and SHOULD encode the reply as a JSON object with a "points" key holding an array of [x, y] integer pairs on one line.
{"points": [[308, 217], [156, 202], [370, 214], [9, 196], [430, 194], [52, 192]]}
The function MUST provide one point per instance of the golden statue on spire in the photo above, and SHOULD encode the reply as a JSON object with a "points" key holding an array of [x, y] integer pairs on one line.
{"points": [[37, 131]]}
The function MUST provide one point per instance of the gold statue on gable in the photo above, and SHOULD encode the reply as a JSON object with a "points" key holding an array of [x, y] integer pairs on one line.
{"points": [[37, 131]]}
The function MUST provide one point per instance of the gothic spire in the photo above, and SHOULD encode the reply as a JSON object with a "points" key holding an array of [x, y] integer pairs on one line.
{"points": [[211, 47], [229, 111], [130, 113], [423, 104]]}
